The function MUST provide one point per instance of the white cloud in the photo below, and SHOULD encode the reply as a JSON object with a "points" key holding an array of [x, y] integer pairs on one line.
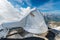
{"points": [[47, 6], [21, 1], [27, 10], [7, 10], [28, 2]]}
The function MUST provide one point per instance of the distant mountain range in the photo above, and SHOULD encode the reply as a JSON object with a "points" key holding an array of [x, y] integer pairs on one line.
{"points": [[52, 17]]}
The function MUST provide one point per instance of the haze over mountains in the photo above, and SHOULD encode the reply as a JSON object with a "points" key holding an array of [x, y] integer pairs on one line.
{"points": [[52, 17]]}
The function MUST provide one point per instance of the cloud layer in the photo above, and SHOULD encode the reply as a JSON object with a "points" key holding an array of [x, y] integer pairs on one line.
{"points": [[43, 5]]}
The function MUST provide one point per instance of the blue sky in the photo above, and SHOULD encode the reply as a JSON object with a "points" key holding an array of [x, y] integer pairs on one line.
{"points": [[46, 6]]}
